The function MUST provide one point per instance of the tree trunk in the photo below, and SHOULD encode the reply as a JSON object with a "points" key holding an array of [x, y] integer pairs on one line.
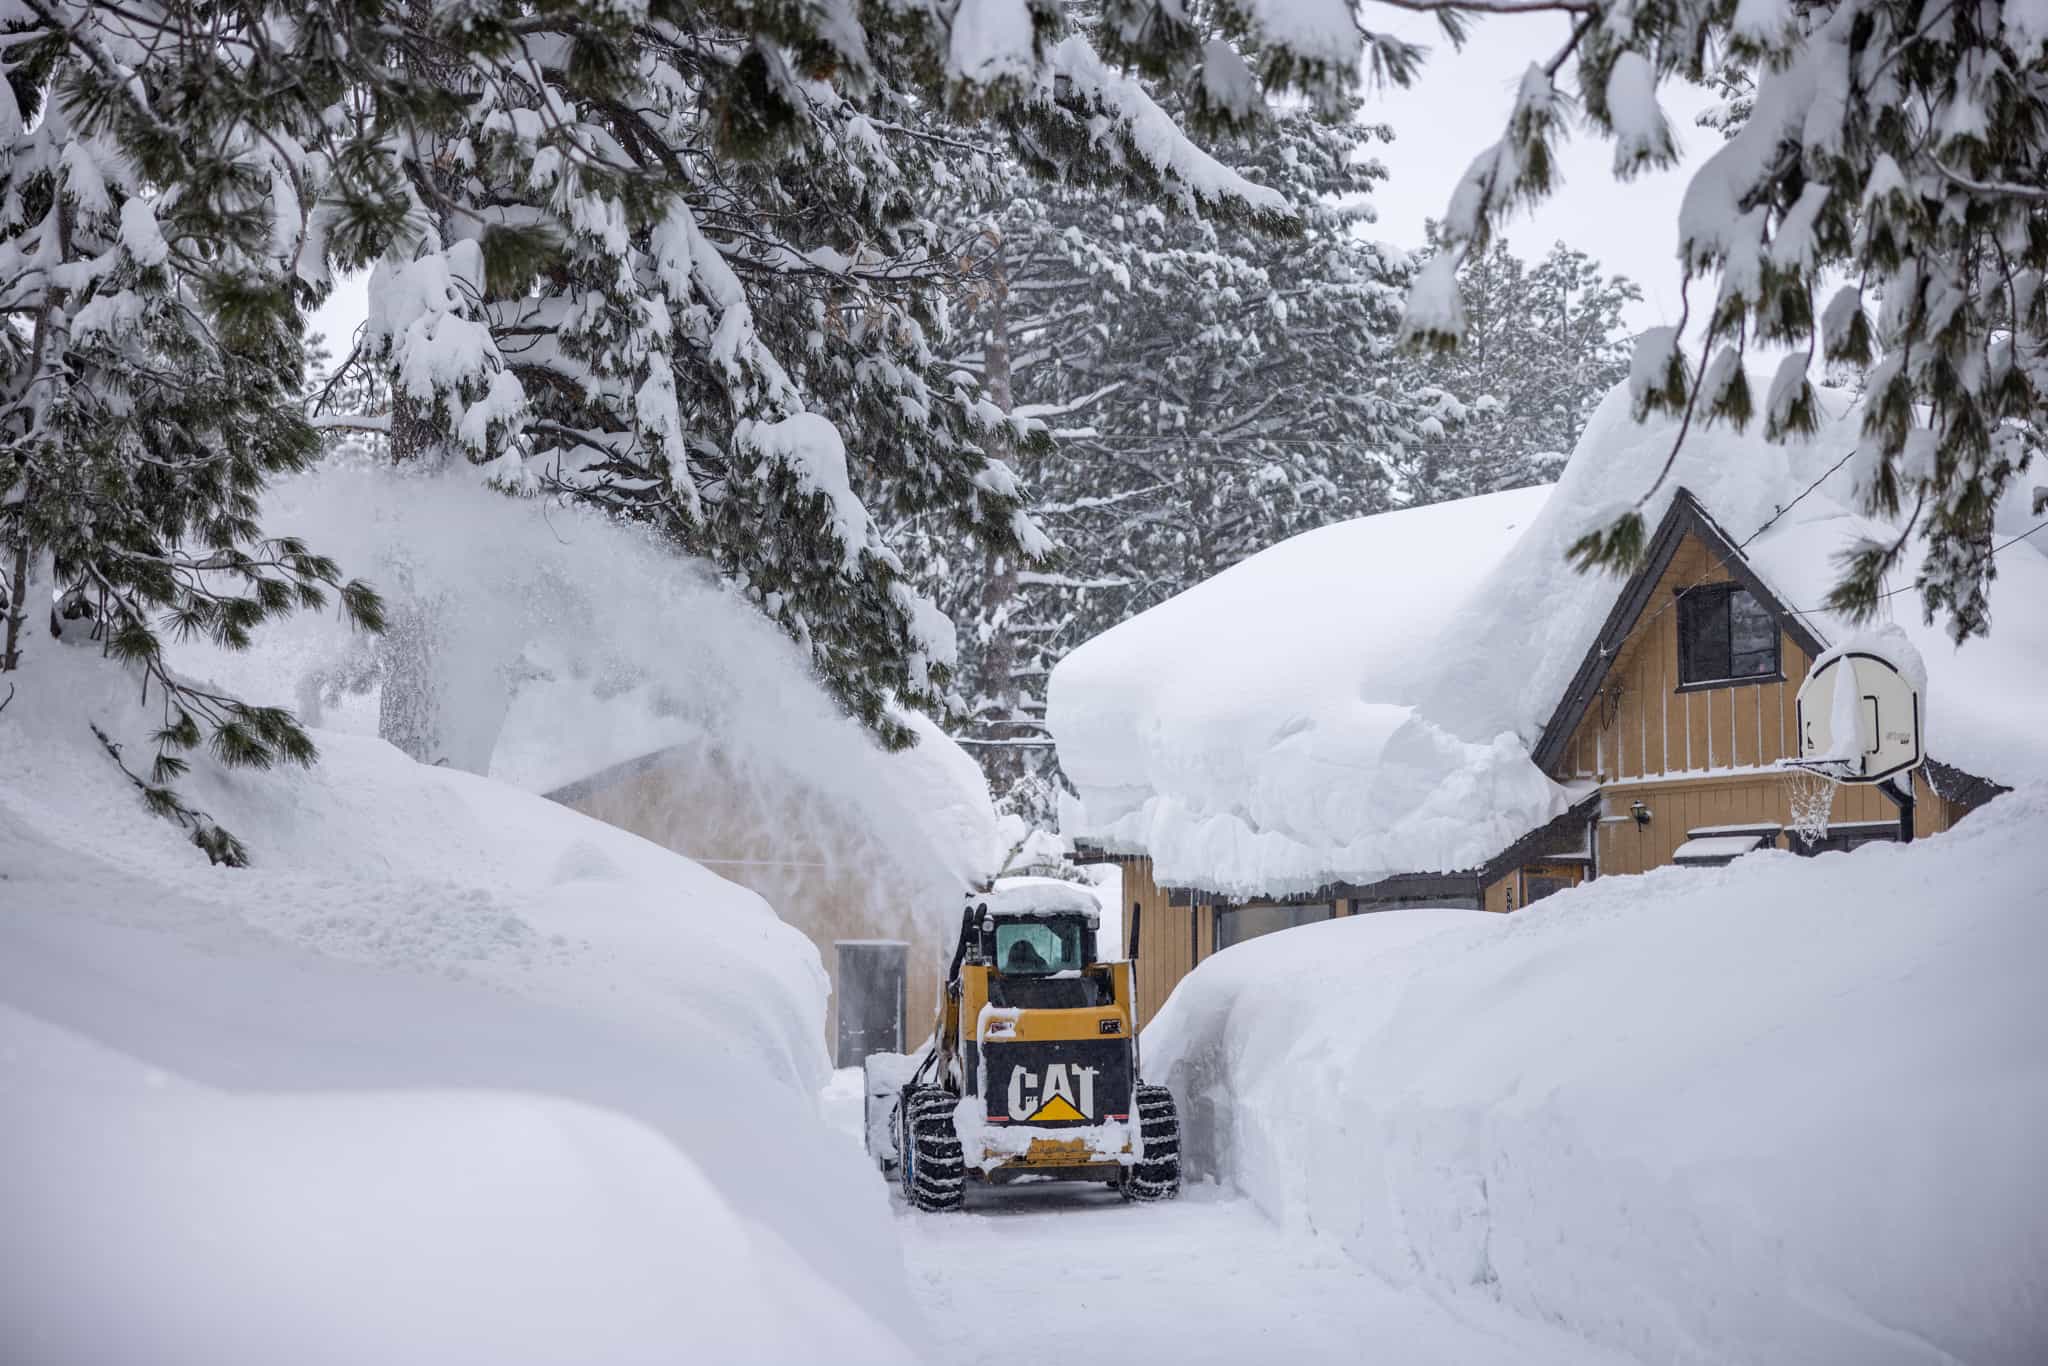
{"points": [[998, 672], [52, 337], [17, 596]]}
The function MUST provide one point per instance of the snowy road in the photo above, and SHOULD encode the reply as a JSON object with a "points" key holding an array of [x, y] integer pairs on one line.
{"points": [[1036, 1271]]}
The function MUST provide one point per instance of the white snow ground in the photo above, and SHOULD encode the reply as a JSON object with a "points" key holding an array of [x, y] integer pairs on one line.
{"points": [[1054, 1272], [450, 1074], [1786, 1111]]}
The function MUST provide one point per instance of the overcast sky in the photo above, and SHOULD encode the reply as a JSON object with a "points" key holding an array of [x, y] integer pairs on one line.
{"points": [[1455, 110], [1459, 107]]}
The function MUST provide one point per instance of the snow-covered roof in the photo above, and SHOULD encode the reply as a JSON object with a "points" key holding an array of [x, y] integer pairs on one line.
{"points": [[1362, 700]]}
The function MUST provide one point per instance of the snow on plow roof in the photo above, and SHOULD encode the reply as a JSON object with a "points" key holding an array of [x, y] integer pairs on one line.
{"points": [[1362, 700], [1037, 896]]}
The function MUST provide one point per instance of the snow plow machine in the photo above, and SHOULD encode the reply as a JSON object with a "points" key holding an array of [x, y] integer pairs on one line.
{"points": [[1032, 1068]]}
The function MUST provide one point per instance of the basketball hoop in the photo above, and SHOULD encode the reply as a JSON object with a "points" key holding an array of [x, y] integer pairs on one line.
{"points": [[1859, 722], [1810, 798]]}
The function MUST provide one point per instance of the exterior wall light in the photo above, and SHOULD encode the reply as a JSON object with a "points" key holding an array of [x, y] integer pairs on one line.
{"points": [[1640, 813]]}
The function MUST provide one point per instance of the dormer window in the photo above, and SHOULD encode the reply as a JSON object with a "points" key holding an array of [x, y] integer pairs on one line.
{"points": [[1725, 635]]}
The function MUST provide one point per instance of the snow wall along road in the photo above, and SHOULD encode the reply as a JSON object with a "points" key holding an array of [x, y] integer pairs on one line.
{"points": [[449, 1074], [1784, 1111]]}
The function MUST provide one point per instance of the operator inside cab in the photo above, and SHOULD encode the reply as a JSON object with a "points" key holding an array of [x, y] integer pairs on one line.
{"points": [[1041, 963], [1034, 948]]}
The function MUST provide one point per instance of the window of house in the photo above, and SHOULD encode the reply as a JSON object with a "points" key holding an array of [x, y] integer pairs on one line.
{"points": [[1725, 633], [1249, 922]]}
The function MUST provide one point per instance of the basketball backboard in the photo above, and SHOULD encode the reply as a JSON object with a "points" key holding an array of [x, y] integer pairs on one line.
{"points": [[1860, 717]]}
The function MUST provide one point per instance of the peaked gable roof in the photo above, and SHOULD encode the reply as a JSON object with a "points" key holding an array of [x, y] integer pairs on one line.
{"points": [[1686, 516], [1370, 698]]}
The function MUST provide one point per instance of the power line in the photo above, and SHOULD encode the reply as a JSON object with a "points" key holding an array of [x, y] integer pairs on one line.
{"points": [[1775, 517], [1796, 501], [2002, 545], [1743, 545]]}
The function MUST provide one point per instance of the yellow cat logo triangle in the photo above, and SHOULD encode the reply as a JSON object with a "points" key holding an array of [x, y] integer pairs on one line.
{"points": [[1058, 1108]]}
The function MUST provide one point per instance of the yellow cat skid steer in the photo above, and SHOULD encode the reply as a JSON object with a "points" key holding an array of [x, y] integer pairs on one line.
{"points": [[1032, 1070]]}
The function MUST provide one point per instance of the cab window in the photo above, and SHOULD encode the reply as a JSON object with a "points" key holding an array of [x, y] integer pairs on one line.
{"points": [[1037, 947]]}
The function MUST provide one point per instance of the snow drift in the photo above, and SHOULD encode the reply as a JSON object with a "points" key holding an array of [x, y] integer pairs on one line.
{"points": [[1361, 700], [450, 1073], [1783, 1111]]}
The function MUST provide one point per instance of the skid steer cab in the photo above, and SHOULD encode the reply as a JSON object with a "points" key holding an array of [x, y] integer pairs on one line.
{"points": [[1032, 1068]]}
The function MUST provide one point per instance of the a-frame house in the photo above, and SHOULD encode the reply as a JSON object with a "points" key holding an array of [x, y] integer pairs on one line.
{"points": [[1667, 736]]}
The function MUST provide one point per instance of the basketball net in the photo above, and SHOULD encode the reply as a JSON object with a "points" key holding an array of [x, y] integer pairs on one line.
{"points": [[1810, 797]]}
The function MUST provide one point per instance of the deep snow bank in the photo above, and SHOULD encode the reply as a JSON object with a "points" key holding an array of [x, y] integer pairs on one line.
{"points": [[1784, 1111], [452, 1073]]}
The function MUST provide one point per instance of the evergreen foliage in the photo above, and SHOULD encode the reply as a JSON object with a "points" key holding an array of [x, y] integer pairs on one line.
{"points": [[1542, 345], [1212, 388], [683, 267], [676, 260], [1879, 202], [151, 355]]}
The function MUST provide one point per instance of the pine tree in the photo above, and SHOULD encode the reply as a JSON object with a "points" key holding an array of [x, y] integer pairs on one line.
{"points": [[1212, 389], [1878, 203], [151, 360], [1542, 346], [681, 269]]}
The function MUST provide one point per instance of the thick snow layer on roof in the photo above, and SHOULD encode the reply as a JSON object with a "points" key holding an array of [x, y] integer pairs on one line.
{"points": [[1716, 847], [1361, 700], [1261, 731], [1785, 1110]]}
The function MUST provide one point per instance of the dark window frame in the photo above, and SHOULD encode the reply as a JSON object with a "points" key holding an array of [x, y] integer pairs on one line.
{"points": [[1712, 596]]}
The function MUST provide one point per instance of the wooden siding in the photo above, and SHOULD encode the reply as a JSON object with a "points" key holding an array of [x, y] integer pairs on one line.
{"points": [[1641, 725], [1704, 756], [1510, 891], [1170, 938], [1686, 804]]}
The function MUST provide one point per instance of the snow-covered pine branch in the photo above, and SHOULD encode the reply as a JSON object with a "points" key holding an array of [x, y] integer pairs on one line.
{"points": [[1891, 144], [667, 235], [1238, 385], [151, 361]]}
